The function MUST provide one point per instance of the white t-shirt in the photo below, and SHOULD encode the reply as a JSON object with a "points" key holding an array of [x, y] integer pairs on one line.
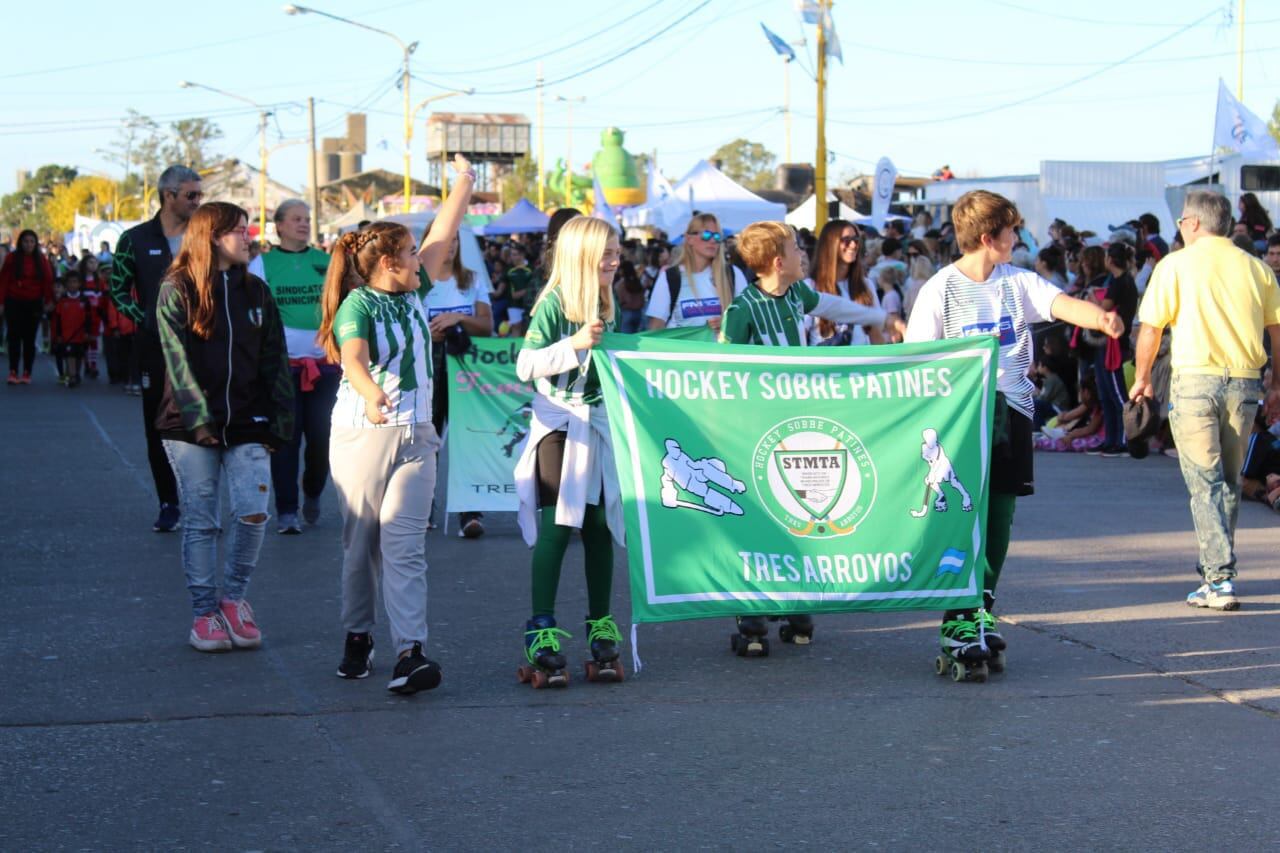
{"points": [[444, 297], [858, 334], [696, 302], [950, 305]]}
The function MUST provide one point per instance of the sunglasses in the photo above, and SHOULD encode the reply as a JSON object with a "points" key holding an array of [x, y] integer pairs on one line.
{"points": [[706, 235], [1182, 219], [846, 240], [193, 195]]}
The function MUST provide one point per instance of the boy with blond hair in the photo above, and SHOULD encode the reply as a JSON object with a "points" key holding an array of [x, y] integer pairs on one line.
{"points": [[984, 294], [771, 313]]}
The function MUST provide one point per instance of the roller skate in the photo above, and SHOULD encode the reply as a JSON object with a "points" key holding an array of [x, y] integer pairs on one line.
{"points": [[798, 630], [752, 639], [604, 639], [544, 666], [963, 657], [990, 634]]}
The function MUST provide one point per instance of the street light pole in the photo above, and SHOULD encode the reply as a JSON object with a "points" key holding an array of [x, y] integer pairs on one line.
{"points": [[444, 176], [263, 114], [407, 50], [568, 154]]}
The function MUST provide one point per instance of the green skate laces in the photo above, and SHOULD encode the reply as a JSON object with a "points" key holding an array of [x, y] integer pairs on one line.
{"points": [[544, 638], [964, 630], [987, 620], [603, 628]]}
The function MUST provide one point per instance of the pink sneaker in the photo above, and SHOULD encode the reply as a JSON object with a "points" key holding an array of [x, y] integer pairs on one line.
{"points": [[209, 634], [241, 627]]}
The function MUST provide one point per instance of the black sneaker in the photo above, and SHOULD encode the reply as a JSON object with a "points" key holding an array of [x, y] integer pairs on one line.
{"points": [[414, 672], [167, 521], [357, 657], [472, 527], [310, 509]]}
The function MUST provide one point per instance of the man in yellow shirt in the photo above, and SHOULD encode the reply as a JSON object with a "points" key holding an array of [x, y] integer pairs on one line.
{"points": [[1219, 300]]}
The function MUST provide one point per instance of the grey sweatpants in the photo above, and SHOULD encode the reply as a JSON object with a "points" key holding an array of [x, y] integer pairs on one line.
{"points": [[385, 479]]}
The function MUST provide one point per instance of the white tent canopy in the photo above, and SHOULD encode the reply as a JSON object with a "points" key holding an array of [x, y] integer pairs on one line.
{"points": [[806, 215], [472, 257], [708, 190]]}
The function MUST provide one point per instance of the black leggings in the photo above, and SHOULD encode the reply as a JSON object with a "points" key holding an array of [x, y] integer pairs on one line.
{"points": [[22, 316]]}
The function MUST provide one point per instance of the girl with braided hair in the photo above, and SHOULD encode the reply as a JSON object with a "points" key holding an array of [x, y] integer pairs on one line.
{"points": [[382, 447]]}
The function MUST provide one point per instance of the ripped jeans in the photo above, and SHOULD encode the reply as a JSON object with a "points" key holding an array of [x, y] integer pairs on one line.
{"points": [[1211, 418], [199, 472]]}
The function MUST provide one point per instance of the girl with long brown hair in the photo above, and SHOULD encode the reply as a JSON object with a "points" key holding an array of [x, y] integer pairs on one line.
{"points": [[696, 290], [838, 270], [227, 404], [382, 446]]}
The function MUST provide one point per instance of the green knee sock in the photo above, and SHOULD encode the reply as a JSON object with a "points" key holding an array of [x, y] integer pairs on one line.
{"points": [[548, 555], [999, 528], [598, 544]]}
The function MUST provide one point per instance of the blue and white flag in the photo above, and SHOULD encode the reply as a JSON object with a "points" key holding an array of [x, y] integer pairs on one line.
{"points": [[809, 10], [952, 562], [1237, 129], [600, 208], [779, 44], [829, 33]]}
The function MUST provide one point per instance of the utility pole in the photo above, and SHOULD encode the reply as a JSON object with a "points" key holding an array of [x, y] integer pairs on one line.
{"points": [[542, 184], [313, 182], [820, 156]]}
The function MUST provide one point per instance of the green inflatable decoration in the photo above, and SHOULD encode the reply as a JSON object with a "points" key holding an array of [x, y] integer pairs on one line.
{"points": [[616, 169], [580, 192]]}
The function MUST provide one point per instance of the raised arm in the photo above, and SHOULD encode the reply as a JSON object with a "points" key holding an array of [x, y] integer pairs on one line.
{"points": [[436, 244]]}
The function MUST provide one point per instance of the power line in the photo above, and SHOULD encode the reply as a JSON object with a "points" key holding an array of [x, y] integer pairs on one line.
{"points": [[1050, 91], [562, 49], [1079, 20], [598, 65]]}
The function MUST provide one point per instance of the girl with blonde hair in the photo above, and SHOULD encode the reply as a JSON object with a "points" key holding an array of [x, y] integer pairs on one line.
{"points": [[697, 290], [565, 477]]}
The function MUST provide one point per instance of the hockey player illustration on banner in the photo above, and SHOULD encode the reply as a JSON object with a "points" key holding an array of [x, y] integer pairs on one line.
{"points": [[940, 471], [517, 424], [696, 477]]}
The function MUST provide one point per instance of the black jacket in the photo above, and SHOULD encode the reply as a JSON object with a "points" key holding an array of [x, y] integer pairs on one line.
{"points": [[141, 258], [237, 383]]}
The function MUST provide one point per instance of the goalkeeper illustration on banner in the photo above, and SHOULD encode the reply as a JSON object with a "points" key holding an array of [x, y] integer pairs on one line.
{"points": [[940, 471], [696, 477]]}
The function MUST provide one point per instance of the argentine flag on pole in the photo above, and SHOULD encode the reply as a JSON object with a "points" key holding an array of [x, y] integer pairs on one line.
{"points": [[1237, 129], [779, 43]]}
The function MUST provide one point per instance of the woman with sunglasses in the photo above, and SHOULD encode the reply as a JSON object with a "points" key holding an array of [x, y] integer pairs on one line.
{"points": [[697, 290], [838, 271]]}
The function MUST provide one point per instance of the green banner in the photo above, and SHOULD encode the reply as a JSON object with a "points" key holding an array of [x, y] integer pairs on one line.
{"points": [[489, 412], [809, 480]]}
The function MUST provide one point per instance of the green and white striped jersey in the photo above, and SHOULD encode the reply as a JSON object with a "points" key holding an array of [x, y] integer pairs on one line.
{"points": [[548, 326], [755, 317], [395, 326]]}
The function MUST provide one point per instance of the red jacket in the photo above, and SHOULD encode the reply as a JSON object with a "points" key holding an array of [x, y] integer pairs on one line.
{"points": [[114, 322], [73, 320], [26, 277]]}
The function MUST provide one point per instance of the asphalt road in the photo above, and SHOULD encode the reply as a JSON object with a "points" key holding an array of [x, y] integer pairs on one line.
{"points": [[1126, 720]]}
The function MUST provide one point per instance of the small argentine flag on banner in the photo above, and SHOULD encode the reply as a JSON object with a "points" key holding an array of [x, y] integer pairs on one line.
{"points": [[952, 561]]}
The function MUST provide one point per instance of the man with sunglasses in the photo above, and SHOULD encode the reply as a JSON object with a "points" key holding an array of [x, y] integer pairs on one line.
{"points": [[143, 253]]}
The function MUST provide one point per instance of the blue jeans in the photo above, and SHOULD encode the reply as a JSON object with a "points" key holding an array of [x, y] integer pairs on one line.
{"points": [[630, 322], [1211, 418], [199, 471], [1111, 397], [312, 413]]}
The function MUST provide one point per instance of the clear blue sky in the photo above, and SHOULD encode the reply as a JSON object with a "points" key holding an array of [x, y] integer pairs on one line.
{"points": [[910, 71]]}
